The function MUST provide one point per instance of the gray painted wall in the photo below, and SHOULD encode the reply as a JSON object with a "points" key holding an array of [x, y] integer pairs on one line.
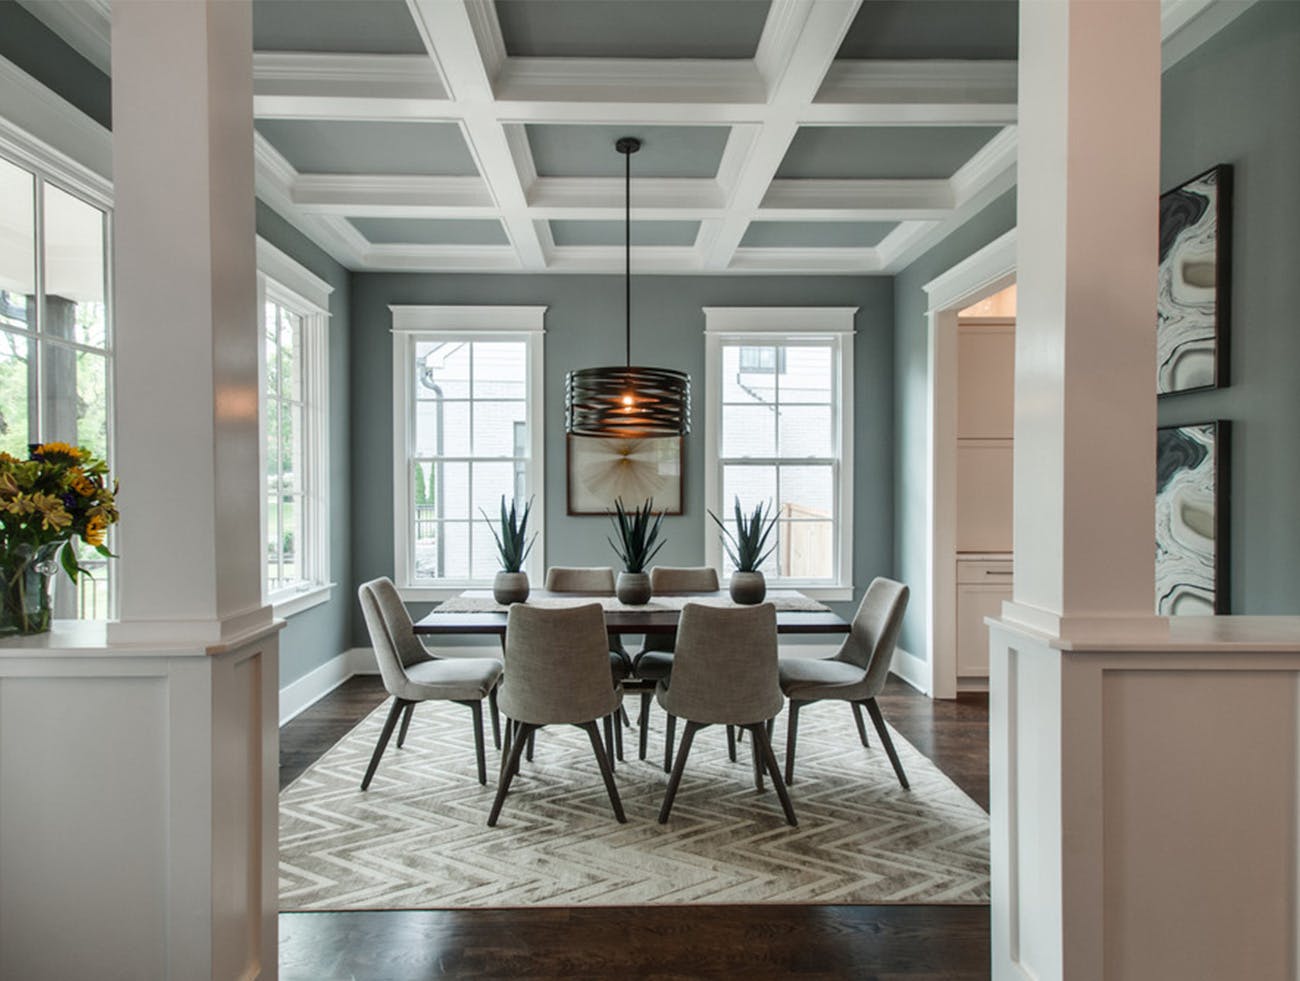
{"points": [[911, 351], [1237, 100], [584, 327], [314, 636], [45, 56]]}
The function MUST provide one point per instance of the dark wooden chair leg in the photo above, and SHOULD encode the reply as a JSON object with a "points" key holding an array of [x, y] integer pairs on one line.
{"points": [[688, 736], [758, 758], [480, 757], [622, 714], [670, 730], [791, 734], [496, 717], [606, 770], [522, 736], [645, 722], [765, 747], [879, 721], [731, 743], [506, 739], [862, 729], [618, 741], [532, 744], [399, 706], [610, 726], [406, 724]]}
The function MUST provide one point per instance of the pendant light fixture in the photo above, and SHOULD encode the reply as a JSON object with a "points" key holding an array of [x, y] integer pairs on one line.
{"points": [[629, 401]]}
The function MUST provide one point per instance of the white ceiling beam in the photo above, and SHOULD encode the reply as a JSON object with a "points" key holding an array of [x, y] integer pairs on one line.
{"points": [[683, 82], [803, 261], [856, 200], [84, 24], [301, 85], [386, 195], [441, 258], [603, 198], [887, 93], [609, 259], [274, 178], [458, 38], [799, 42]]}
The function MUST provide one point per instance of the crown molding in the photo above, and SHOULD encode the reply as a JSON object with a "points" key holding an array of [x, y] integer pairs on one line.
{"points": [[856, 200], [86, 25]]}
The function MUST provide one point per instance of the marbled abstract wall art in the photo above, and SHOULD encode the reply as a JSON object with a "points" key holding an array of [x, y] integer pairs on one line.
{"points": [[1190, 528], [602, 470], [1193, 304]]}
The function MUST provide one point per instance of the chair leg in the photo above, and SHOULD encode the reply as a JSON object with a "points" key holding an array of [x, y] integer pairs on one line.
{"points": [[670, 731], [618, 739], [606, 771], [765, 746], [399, 706], [688, 737], [622, 714], [791, 734], [758, 759], [879, 721], [645, 722], [511, 768], [506, 741], [731, 743], [480, 757], [406, 724], [532, 743], [496, 716], [610, 726], [862, 729]]}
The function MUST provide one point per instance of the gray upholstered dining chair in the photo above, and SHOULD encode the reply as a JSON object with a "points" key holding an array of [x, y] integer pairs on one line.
{"points": [[555, 675], [654, 662], [413, 674], [738, 645], [856, 673]]}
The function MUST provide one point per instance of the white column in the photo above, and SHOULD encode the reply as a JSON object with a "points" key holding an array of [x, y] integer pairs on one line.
{"points": [[186, 319], [1085, 340]]}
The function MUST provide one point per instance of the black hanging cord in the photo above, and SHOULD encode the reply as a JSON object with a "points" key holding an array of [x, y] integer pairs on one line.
{"points": [[627, 146]]}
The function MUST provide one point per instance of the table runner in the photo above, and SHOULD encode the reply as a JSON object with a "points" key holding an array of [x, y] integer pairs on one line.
{"points": [[482, 602]]}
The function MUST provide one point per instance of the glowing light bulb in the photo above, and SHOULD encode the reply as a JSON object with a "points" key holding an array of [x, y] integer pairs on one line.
{"points": [[628, 401]]}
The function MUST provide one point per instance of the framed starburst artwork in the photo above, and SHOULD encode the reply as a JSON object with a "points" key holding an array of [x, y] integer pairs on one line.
{"points": [[602, 470]]}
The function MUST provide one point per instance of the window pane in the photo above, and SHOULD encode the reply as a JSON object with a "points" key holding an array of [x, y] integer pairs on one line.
{"points": [[494, 427], [485, 561], [17, 246], [74, 269], [92, 401], [754, 485], [442, 428], [491, 481], [806, 430], [273, 541], [292, 532], [807, 492], [500, 370], [454, 553], [748, 430], [15, 404], [442, 369], [450, 490], [290, 355], [807, 376], [806, 549]]}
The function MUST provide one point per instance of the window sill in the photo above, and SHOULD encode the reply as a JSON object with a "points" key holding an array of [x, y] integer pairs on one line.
{"points": [[436, 594], [832, 594], [287, 605]]}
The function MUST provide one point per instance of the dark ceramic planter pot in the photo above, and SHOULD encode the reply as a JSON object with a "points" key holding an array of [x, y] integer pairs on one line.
{"points": [[633, 588], [510, 587], [748, 588]]}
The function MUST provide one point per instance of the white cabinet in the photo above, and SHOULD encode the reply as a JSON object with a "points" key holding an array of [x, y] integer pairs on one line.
{"points": [[984, 495], [982, 586]]}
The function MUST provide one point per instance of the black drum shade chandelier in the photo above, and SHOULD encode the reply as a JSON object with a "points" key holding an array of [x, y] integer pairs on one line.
{"points": [[628, 401]]}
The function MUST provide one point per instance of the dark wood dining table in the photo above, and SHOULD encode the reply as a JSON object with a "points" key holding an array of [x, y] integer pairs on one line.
{"points": [[625, 620]]}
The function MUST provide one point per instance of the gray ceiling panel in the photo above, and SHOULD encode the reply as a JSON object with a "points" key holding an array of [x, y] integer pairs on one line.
{"points": [[337, 147], [632, 28], [358, 26], [572, 232], [816, 234], [588, 151], [882, 152], [431, 231], [941, 29]]}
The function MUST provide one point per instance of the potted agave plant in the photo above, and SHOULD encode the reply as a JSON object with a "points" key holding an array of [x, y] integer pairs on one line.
{"points": [[513, 545], [638, 543], [745, 547]]}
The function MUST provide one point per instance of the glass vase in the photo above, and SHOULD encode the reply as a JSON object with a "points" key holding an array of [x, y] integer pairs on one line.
{"points": [[26, 583]]}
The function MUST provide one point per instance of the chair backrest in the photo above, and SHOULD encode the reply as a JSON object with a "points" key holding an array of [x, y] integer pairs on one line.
{"points": [[874, 631], [597, 580], [395, 643], [724, 669], [693, 579], [556, 665]]}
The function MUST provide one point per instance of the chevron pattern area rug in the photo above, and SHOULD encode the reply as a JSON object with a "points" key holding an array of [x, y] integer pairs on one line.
{"points": [[419, 839]]}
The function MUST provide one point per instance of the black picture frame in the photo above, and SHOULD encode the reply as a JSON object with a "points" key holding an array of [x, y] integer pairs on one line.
{"points": [[1176, 446], [1181, 341], [581, 504]]}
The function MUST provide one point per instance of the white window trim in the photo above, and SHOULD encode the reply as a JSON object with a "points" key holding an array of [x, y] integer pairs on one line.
{"points": [[514, 323], [760, 324], [283, 280]]}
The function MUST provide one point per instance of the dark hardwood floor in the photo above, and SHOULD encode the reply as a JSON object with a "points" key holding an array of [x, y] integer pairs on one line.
{"points": [[663, 942]]}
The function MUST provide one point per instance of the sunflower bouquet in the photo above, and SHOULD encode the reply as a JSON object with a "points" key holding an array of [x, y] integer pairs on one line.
{"points": [[58, 494]]}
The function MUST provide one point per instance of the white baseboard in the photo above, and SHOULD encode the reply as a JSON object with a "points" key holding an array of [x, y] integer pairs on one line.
{"points": [[911, 669], [299, 695]]}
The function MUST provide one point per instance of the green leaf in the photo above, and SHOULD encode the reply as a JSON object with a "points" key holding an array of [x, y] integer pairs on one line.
{"points": [[68, 559]]}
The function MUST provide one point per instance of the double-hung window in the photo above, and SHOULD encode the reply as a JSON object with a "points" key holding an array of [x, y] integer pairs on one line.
{"points": [[467, 414], [55, 328], [779, 432], [294, 315]]}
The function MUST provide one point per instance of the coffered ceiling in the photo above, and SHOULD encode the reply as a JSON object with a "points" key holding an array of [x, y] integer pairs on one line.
{"points": [[799, 136]]}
